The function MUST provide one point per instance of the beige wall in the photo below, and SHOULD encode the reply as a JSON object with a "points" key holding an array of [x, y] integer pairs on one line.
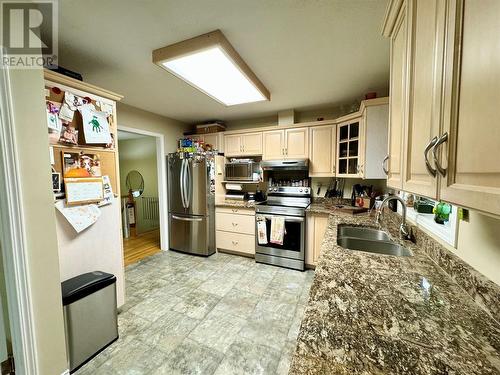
{"points": [[479, 244], [140, 155], [136, 118], [327, 113], [39, 219]]}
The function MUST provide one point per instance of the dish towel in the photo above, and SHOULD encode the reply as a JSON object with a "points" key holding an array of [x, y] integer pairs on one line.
{"points": [[262, 231], [277, 230]]}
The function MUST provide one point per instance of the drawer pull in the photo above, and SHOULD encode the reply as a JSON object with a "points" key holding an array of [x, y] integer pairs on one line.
{"points": [[234, 224], [234, 210], [235, 242]]}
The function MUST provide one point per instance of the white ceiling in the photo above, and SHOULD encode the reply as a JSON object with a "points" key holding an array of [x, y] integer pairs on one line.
{"points": [[308, 53]]}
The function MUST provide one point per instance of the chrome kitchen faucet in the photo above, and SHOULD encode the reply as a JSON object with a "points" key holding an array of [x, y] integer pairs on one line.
{"points": [[404, 230]]}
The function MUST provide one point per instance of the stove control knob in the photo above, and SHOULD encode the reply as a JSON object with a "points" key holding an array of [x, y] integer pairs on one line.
{"points": [[300, 190]]}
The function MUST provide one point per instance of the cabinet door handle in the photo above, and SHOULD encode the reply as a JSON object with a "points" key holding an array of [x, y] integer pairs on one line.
{"points": [[234, 209], [440, 141], [386, 171], [430, 145]]}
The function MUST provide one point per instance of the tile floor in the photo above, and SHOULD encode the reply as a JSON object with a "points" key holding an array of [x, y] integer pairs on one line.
{"points": [[219, 315]]}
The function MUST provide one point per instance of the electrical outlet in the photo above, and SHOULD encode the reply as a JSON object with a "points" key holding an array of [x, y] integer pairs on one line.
{"points": [[463, 214]]}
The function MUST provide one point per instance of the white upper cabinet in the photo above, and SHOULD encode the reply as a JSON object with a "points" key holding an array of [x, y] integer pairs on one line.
{"points": [[247, 144], [362, 141], [398, 94], [286, 144], [470, 139], [252, 143], [451, 136], [423, 128], [274, 145], [349, 161], [322, 146], [232, 145], [297, 143]]}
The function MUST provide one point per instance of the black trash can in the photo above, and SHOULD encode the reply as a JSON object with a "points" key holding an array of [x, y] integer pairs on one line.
{"points": [[90, 315]]}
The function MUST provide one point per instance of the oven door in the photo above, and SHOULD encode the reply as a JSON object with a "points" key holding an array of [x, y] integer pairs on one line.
{"points": [[293, 240]]}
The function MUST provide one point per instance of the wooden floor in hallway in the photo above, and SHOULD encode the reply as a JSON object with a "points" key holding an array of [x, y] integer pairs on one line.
{"points": [[141, 246]]}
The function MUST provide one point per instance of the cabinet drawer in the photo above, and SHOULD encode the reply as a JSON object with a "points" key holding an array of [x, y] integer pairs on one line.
{"points": [[235, 223], [242, 243], [236, 210]]}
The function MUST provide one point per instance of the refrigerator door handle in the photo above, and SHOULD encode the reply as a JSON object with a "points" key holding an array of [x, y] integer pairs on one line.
{"points": [[181, 183], [188, 186], [187, 218]]}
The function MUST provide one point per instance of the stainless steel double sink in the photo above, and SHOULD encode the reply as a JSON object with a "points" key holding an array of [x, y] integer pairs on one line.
{"points": [[370, 240]]}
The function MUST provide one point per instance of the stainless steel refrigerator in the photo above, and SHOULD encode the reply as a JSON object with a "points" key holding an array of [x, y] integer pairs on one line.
{"points": [[191, 203]]}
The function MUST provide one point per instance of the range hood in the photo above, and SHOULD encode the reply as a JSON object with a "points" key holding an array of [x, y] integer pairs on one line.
{"points": [[286, 165]]}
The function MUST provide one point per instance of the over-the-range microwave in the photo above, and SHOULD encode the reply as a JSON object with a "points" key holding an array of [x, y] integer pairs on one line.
{"points": [[242, 170]]}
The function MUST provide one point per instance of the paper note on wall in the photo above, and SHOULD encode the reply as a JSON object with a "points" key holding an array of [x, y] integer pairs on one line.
{"points": [[84, 190], [108, 192], [80, 217], [95, 126]]}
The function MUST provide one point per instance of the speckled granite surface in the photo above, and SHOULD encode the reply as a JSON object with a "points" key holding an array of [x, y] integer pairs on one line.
{"points": [[377, 314], [235, 203], [484, 291], [327, 206]]}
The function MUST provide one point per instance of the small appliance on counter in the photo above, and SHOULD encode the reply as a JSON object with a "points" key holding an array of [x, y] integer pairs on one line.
{"points": [[259, 196], [249, 196]]}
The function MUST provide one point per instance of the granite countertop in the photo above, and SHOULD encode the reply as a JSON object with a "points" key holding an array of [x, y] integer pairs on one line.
{"points": [[320, 208], [235, 203], [327, 206], [378, 314]]}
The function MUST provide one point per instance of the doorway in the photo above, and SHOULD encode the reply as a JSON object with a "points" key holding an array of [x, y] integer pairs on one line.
{"points": [[143, 198]]}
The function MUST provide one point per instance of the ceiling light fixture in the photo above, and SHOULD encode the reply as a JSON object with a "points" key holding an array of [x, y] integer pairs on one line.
{"points": [[211, 64]]}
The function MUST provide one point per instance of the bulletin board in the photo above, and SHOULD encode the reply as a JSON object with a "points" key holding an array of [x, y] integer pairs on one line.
{"points": [[56, 85], [107, 158]]}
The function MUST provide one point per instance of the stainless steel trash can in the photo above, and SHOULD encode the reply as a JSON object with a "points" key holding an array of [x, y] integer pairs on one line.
{"points": [[90, 315]]}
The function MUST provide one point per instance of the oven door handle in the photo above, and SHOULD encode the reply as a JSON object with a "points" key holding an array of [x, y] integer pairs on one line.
{"points": [[293, 219]]}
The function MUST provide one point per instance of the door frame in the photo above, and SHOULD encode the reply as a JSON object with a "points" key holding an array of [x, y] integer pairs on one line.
{"points": [[13, 239], [161, 166]]}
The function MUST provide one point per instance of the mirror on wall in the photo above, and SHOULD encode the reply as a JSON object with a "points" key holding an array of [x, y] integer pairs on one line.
{"points": [[135, 183]]}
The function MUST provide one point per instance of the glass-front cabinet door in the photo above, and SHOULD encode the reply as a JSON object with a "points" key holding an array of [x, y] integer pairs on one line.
{"points": [[349, 155]]}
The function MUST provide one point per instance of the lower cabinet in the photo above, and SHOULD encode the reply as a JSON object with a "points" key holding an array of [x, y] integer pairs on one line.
{"points": [[316, 228], [235, 230]]}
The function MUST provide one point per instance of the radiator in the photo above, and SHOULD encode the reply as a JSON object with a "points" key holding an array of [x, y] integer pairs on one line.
{"points": [[148, 214], [150, 209]]}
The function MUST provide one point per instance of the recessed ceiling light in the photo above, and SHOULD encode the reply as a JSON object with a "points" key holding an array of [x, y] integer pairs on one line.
{"points": [[209, 63]]}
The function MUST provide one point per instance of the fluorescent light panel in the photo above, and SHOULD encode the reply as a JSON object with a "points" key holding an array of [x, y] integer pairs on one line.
{"points": [[214, 73], [209, 63]]}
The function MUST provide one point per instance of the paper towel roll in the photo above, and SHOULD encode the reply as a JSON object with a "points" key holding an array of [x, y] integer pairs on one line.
{"points": [[238, 187]]}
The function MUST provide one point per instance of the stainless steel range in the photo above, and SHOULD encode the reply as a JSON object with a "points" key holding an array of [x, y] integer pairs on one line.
{"points": [[281, 220]]}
